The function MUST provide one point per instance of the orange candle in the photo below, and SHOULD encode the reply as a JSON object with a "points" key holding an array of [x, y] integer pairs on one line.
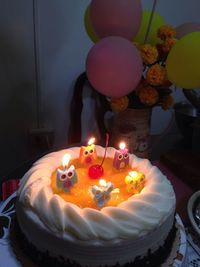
{"points": [[88, 154]]}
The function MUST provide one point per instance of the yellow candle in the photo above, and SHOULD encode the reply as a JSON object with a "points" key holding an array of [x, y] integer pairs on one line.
{"points": [[135, 182]]}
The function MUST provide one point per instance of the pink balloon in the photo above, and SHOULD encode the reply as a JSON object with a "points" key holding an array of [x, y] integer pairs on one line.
{"points": [[116, 17], [186, 28], [114, 66]]}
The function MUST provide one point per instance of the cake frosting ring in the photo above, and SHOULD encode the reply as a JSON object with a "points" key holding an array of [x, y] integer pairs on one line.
{"points": [[133, 218]]}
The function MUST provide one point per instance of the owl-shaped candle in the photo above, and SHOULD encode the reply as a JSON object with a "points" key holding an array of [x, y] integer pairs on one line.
{"points": [[101, 192], [135, 182], [88, 154], [121, 158], [67, 177]]}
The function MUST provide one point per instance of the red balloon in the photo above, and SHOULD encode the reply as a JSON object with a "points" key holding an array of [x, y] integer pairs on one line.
{"points": [[187, 28], [116, 17], [114, 66]]}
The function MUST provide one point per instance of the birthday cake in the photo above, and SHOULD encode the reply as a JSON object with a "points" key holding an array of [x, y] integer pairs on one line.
{"points": [[69, 217]]}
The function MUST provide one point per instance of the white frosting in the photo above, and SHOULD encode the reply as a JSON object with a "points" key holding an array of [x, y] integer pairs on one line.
{"points": [[135, 217], [91, 253]]}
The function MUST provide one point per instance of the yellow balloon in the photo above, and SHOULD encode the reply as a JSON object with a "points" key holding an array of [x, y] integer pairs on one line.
{"points": [[88, 26], [157, 22], [183, 62]]}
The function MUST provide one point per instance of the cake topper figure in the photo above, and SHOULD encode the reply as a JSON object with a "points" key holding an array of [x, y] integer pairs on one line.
{"points": [[88, 154], [121, 158], [67, 177], [102, 192], [135, 182]]}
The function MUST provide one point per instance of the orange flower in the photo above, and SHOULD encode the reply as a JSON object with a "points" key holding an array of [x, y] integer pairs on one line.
{"points": [[166, 31], [156, 75], [148, 95], [167, 102], [168, 44], [119, 104], [148, 53]]}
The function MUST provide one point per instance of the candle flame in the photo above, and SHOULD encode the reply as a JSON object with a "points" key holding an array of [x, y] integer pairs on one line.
{"points": [[65, 160], [102, 182], [91, 141], [122, 145], [133, 174]]}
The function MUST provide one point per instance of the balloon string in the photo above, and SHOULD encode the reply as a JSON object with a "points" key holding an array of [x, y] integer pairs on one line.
{"points": [[150, 21], [107, 140]]}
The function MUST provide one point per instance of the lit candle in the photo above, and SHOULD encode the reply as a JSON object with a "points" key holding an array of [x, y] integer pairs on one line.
{"points": [[88, 153], [67, 177], [135, 182], [121, 158], [101, 192]]}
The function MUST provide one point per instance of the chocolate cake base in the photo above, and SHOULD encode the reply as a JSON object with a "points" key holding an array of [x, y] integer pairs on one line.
{"points": [[29, 256]]}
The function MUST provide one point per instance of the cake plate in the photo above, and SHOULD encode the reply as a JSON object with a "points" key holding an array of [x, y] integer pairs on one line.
{"points": [[177, 257]]}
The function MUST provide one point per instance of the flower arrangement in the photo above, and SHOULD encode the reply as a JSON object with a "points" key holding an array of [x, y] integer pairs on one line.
{"points": [[134, 62], [154, 87]]}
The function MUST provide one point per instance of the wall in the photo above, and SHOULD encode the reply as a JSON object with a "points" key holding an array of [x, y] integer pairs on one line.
{"points": [[62, 49], [17, 83]]}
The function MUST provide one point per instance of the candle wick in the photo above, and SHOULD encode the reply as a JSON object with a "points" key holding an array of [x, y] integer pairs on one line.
{"points": [[107, 140]]}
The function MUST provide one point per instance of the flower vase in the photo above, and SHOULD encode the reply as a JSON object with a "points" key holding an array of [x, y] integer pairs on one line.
{"points": [[132, 126]]}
